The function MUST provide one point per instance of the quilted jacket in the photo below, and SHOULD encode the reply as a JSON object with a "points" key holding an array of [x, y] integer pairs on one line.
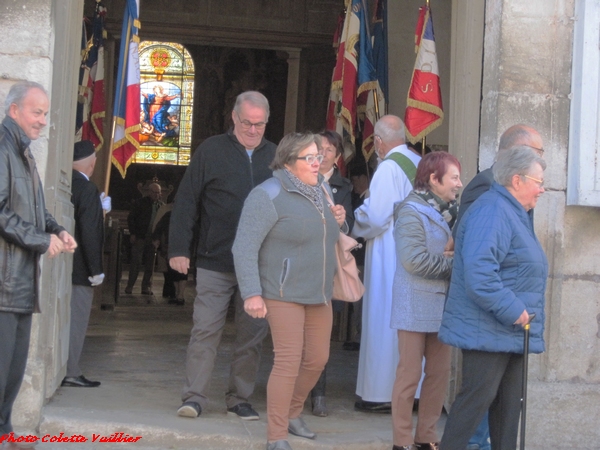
{"points": [[500, 270]]}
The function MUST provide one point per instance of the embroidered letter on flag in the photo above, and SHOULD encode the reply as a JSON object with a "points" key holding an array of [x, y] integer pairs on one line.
{"points": [[424, 110], [126, 112]]}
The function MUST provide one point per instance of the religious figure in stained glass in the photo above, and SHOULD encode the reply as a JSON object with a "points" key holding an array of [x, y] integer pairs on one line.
{"points": [[160, 114], [166, 97]]}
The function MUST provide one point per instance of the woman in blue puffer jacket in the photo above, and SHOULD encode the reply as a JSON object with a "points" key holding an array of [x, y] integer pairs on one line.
{"points": [[498, 280]]}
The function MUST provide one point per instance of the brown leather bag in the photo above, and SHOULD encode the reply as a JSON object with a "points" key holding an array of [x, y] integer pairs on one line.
{"points": [[346, 281]]}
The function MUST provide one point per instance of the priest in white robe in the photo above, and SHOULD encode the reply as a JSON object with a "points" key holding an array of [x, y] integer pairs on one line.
{"points": [[378, 357]]}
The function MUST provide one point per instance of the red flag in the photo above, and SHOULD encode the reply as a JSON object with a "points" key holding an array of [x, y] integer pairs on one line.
{"points": [[93, 127], [424, 111], [126, 112], [341, 114]]}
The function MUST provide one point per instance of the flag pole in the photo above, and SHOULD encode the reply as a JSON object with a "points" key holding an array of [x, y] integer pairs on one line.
{"points": [[114, 121], [109, 158]]}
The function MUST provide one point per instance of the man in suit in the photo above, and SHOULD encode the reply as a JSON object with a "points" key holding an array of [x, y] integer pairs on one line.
{"points": [[87, 261], [140, 220]]}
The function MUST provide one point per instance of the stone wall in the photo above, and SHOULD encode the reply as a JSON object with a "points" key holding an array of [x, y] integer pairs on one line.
{"points": [[526, 78]]}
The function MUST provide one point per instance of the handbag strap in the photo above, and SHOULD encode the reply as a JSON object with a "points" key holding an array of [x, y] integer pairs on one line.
{"points": [[329, 200]]}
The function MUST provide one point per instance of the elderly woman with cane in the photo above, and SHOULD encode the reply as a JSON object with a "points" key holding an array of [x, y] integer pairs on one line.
{"points": [[285, 262], [498, 281]]}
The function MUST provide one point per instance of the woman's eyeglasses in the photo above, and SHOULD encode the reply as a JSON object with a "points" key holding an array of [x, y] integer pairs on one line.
{"points": [[310, 159]]}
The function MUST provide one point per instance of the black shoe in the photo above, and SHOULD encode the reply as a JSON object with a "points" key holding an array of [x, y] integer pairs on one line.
{"points": [[373, 407], [351, 346], [244, 411], [128, 291], [180, 301], [403, 447], [79, 381], [172, 301], [428, 446], [189, 409], [147, 292]]}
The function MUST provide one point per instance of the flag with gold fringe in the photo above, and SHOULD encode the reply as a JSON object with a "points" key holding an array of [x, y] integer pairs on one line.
{"points": [[424, 111], [126, 113], [91, 107], [341, 112], [370, 98]]}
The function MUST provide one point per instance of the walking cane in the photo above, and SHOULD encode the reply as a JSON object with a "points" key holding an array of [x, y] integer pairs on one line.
{"points": [[524, 388]]}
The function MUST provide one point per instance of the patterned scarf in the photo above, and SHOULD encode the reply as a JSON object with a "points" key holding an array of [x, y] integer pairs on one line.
{"points": [[448, 210], [314, 193]]}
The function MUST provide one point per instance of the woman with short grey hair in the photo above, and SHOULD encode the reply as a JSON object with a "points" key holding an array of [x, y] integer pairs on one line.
{"points": [[516, 161], [284, 262], [498, 282]]}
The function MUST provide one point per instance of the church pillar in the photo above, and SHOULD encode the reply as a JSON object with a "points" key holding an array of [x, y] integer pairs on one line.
{"points": [[291, 104]]}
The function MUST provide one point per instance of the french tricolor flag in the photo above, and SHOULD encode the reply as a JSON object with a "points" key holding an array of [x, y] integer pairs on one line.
{"points": [[424, 111], [126, 113]]}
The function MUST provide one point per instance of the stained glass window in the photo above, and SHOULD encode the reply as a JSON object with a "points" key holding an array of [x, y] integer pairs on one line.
{"points": [[167, 100]]}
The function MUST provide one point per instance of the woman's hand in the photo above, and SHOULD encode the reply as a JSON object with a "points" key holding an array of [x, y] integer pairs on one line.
{"points": [[339, 213], [523, 319], [449, 248], [255, 307]]}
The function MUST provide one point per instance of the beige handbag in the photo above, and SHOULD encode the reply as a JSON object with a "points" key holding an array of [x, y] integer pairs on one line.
{"points": [[347, 286]]}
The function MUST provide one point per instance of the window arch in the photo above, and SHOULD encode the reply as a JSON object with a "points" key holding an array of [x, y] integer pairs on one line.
{"points": [[167, 98]]}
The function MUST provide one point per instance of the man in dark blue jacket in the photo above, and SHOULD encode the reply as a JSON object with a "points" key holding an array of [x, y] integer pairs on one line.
{"points": [[27, 231], [87, 261], [221, 174]]}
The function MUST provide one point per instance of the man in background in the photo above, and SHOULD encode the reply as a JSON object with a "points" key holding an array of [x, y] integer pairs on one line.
{"points": [[140, 220], [374, 221], [87, 261]]}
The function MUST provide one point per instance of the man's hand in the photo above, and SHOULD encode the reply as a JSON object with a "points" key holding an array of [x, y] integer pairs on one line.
{"points": [[255, 307], [96, 280], [56, 246], [180, 263], [69, 243], [106, 202], [156, 244]]}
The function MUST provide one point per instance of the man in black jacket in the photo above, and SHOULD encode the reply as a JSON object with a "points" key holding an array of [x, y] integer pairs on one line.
{"points": [[27, 230], [140, 220], [87, 261], [221, 174]]}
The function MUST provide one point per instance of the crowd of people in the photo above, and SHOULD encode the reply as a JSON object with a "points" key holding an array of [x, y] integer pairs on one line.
{"points": [[259, 222]]}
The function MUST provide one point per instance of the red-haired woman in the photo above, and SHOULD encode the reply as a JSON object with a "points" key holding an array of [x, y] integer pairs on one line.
{"points": [[424, 250]]}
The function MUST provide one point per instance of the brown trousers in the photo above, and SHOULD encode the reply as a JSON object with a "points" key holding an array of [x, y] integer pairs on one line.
{"points": [[413, 346], [301, 335]]}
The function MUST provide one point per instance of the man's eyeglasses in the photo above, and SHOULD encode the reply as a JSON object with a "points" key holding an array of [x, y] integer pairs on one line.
{"points": [[539, 182], [310, 159], [246, 125], [539, 151]]}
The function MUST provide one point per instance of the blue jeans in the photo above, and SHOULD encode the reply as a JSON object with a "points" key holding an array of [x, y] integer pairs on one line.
{"points": [[481, 439]]}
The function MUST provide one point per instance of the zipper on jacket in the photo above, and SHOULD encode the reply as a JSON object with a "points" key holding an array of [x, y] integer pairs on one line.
{"points": [[284, 274], [324, 251]]}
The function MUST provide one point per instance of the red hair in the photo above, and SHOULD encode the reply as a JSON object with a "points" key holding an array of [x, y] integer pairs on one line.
{"points": [[435, 163]]}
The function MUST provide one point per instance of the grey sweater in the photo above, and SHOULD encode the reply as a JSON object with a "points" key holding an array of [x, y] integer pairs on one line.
{"points": [[422, 271], [284, 247]]}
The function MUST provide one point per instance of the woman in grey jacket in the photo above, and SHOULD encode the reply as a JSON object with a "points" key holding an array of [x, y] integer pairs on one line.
{"points": [[284, 261], [424, 249]]}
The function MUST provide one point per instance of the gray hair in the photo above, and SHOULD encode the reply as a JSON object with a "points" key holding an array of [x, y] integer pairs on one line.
{"points": [[290, 147], [255, 98], [390, 128], [515, 161], [19, 91]]}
